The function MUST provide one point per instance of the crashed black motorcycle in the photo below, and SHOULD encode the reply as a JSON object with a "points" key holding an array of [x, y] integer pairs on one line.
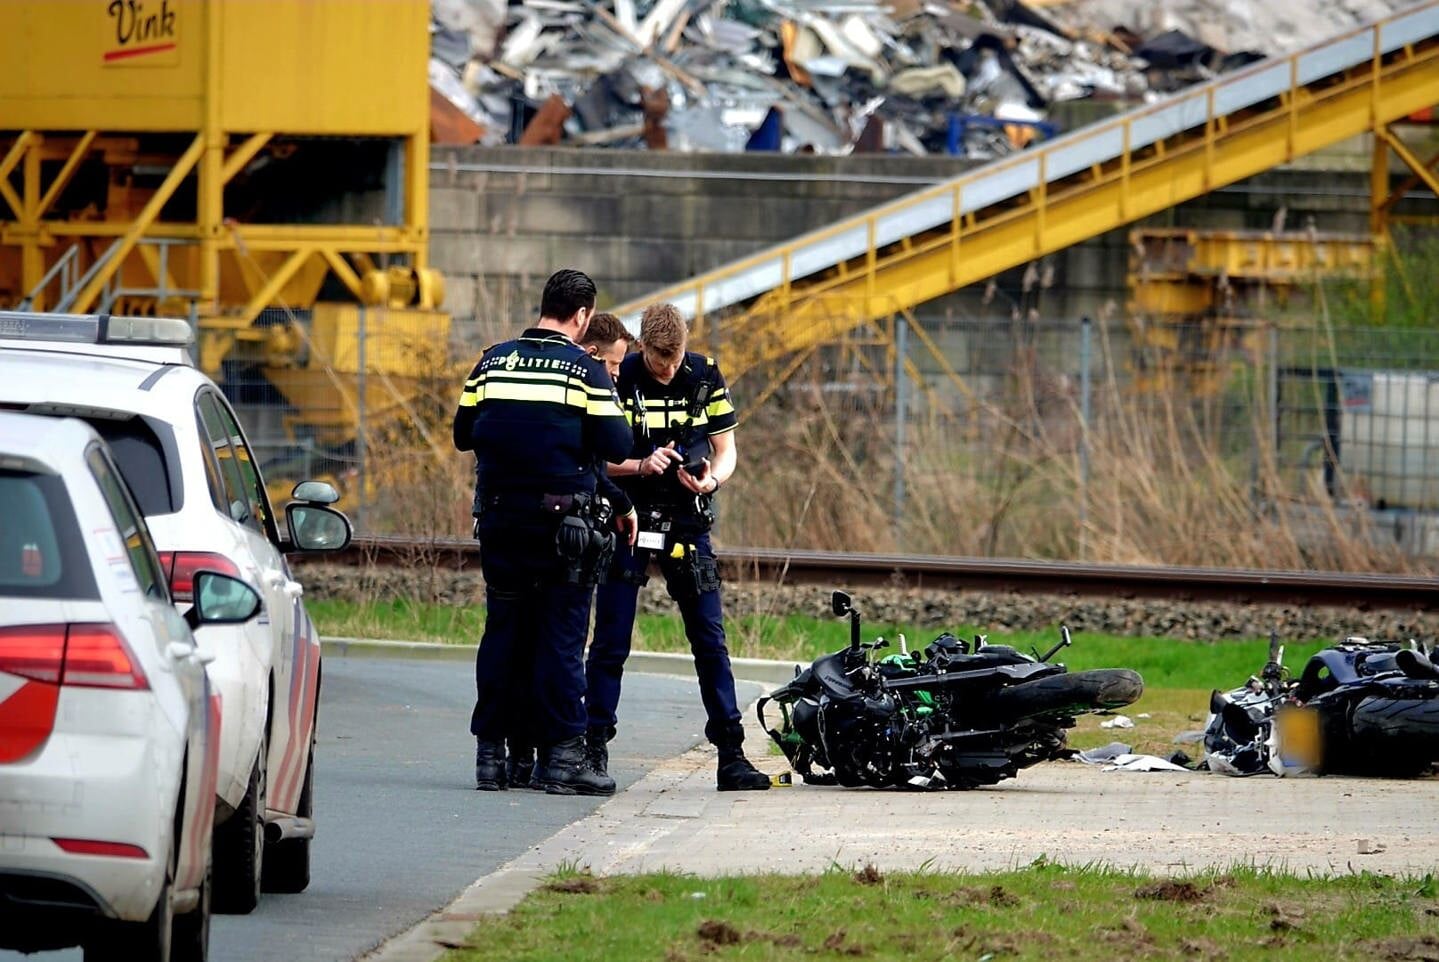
{"points": [[956, 715], [1358, 708]]}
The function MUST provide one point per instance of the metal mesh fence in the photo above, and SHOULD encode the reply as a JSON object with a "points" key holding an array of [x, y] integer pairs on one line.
{"points": [[1254, 444]]}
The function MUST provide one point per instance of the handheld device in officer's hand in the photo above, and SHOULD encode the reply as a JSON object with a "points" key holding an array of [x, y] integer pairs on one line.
{"points": [[694, 446], [694, 454]]}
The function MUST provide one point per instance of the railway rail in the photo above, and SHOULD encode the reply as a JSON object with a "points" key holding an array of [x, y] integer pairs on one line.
{"points": [[1361, 591]]}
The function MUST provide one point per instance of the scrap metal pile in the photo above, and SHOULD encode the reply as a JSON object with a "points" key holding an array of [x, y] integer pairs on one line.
{"points": [[971, 78], [975, 78]]}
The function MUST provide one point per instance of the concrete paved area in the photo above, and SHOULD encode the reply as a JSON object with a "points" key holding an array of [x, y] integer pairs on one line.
{"points": [[1165, 823]]}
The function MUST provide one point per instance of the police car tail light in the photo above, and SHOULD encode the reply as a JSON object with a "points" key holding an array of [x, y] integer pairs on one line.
{"points": [[83, 655], [97, 657], [36, 652], [180, 567]]}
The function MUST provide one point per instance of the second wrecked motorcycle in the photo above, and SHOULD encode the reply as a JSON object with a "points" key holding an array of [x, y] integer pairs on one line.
{"points": [[955, 715], [1357, 708]]}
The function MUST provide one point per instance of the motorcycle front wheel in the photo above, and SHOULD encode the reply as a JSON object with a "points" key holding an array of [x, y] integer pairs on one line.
{"points": [[1070, 694]]}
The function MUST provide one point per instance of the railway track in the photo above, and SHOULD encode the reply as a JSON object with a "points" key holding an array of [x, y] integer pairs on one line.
{"points": [[1361, 591]]}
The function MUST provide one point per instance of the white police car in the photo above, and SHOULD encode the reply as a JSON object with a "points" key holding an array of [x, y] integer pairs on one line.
{"points": [[109, 729], [179, 445]]}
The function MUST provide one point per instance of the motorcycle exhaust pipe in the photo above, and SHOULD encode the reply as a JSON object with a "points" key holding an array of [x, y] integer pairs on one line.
{"points": [[1415, 665]]}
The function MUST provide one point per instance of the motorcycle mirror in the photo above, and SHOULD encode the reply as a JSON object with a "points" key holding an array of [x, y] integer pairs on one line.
{"points": [[841, 604], [881, 643]]}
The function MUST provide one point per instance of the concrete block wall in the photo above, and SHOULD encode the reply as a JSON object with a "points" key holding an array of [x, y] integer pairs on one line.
{"points": [[503, 218]]}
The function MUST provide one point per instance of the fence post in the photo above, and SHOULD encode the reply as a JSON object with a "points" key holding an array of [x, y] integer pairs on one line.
{"points": [[1084, 389], [360, 446], [901, 399]]}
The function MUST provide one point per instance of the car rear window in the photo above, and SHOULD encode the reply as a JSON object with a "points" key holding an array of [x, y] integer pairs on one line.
{"points": [[140, 455], [41, 554]]}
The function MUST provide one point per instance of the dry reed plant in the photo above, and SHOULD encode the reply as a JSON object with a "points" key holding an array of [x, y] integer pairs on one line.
{"points": [[1177, 474], [1175, 477]]}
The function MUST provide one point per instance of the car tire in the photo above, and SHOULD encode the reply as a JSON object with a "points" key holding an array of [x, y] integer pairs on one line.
{"points": [[239, 845], [287, 862], [191, 939], [147, 941]]}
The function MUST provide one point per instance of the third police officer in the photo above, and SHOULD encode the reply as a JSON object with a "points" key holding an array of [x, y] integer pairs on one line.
{"points": [[684, 448], [539, 413]]}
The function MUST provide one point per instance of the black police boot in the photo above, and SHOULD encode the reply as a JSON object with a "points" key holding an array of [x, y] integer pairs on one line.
{"points": [[736, 774], [520, 767], [566, 772], [597, 751], [489, 765]]}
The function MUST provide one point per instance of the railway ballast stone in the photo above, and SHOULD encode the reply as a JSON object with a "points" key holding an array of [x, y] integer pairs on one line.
{"points": [[996, 612]]}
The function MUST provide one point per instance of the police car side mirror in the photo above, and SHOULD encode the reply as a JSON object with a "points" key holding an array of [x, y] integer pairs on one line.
{"points": [[221, 600], [314, 527], [315, 492]]}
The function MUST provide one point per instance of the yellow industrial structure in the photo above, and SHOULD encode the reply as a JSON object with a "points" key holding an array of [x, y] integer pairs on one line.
{"points": [[785, 302], [1196, 296], [188, 157]]}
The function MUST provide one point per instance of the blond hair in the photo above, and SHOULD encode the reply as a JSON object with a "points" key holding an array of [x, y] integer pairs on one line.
{"points": [[662, 329]]}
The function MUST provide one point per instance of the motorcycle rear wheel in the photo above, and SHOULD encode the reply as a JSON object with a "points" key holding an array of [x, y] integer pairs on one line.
{"points": [[1068, 694], [1403, 727]]}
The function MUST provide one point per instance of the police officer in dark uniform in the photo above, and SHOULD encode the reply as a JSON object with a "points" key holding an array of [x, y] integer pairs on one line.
{"points": [[684, 448], [538, 412]]}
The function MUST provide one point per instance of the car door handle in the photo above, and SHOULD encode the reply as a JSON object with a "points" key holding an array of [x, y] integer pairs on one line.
{"points": [[179, 651]]}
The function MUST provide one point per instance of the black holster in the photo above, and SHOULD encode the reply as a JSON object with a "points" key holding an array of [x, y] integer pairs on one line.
{"points": [[584, 542], [690, 575]]}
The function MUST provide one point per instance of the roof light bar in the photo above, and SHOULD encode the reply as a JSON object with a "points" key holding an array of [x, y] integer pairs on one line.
{"points": [[95, 329]]}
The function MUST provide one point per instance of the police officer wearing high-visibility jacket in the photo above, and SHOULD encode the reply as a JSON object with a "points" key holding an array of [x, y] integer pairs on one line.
{"points": [[539, 412], [684, 448]]}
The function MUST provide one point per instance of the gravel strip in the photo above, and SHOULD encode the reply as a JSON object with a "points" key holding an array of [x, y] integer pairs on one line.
{"points": [[997, 612]]}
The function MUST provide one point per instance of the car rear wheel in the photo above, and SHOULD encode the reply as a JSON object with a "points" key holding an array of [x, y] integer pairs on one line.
{"points": [[239, 847], [147, 941], [287, 862]]}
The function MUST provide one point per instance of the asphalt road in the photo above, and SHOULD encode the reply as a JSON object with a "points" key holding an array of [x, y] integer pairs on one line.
{"points": [[401, 829]]}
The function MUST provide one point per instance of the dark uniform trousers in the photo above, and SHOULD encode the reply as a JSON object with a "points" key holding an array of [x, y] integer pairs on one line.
{"points": [[531, 659], [615, 604]]}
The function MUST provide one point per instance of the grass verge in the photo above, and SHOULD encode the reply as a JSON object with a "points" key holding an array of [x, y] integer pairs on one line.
{"points": [[1042, 912], [1164, 663]]}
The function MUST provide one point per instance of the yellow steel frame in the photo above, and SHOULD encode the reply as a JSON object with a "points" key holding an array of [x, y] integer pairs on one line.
{"points": [[1190, 291], [265, 257], [798, 313]]}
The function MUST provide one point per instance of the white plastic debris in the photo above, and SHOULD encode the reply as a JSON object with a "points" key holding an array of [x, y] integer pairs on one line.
{"points": [[1118, 721], [1143, 763]]}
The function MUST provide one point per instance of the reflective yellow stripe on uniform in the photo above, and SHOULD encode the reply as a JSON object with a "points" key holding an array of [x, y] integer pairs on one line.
{"points": [[662, 419], [517, 387], [471, 396], [604, 407], [720, 408]]}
